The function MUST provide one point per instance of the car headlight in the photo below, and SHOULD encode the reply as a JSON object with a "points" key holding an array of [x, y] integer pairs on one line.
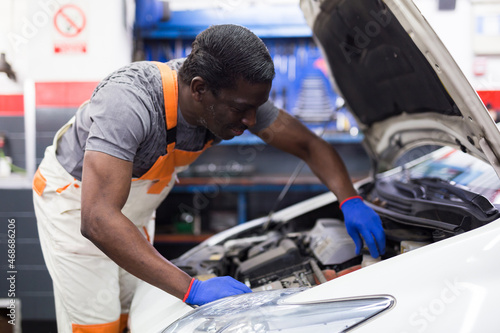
{"points": [[266, 311]]}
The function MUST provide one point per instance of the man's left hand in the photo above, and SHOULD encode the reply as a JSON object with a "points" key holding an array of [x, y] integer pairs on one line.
{"points": [[362, 221]]}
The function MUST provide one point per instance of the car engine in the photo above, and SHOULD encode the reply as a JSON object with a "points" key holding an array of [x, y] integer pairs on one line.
{"points": [[279, 258], [416, 208]]}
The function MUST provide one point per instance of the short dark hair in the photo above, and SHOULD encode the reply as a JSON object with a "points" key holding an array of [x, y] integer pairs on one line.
{"points": [[224, 53]]}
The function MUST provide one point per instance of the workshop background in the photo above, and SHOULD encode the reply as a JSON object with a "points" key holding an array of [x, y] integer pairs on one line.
{"points": [[54, 52]]}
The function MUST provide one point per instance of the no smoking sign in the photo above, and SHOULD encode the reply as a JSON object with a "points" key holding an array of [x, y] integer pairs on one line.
{"points": [[70, 20], [69, 23]]}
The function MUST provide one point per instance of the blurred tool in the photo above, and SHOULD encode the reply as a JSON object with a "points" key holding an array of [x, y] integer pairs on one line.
{"points": [[313, 104], [6, 68]]}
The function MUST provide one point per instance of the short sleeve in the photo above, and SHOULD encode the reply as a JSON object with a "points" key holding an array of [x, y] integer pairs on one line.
{"points": [[266, 115], [120, 120]]}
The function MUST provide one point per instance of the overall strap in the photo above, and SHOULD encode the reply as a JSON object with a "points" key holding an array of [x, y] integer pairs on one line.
{"points": [[170, 95]]}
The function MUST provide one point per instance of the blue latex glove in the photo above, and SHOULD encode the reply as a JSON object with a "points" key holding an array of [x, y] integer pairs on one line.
{"points": [[362, 221], [202, 292]]}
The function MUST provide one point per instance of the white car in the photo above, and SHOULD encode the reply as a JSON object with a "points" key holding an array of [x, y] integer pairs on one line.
{"points": [[438, 202]]}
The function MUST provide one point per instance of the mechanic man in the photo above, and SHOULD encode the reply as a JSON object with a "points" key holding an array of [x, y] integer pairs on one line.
{"points": [[112, 165]]}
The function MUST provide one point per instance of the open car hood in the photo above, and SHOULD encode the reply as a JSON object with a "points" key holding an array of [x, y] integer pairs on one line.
{"points": [[398, 79]]}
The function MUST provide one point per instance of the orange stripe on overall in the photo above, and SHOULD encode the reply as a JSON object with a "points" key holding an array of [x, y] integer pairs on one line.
{"points": [[161, 172]]}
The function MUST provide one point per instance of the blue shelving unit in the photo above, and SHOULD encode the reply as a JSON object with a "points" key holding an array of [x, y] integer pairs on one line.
{"points": [[301, 85]]}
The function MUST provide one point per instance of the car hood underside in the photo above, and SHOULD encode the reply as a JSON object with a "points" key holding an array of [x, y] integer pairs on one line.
{"points": [[398, 79]]}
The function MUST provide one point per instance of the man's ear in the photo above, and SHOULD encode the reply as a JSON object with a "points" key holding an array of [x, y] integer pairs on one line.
{"points": [[198, 88]]}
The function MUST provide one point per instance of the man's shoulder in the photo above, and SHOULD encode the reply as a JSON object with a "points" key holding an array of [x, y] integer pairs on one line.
{"points": [[142, 76], [138, 69]]}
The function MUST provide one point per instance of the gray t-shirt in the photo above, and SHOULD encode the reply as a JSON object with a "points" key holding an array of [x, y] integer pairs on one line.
{"points": [[125, 118]]}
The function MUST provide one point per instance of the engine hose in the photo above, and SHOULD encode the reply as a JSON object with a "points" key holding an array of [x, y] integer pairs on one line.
{"points": [[317, 271]]}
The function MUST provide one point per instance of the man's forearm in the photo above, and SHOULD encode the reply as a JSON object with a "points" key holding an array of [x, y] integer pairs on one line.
{"points": [[327, 165], [290, 135], [120, 240]]}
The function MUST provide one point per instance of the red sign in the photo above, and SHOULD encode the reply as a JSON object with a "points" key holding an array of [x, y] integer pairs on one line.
{"points": [[70, 47]]}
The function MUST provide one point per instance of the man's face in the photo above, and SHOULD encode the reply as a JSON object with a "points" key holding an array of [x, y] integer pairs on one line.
{"points": [[234, 110]]}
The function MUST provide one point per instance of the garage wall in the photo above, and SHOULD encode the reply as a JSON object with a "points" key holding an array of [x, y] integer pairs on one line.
{"points": [[42, 44], [456, 29]]}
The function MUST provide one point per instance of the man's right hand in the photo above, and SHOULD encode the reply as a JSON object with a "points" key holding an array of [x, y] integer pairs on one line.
{"points": [[202, 292]]}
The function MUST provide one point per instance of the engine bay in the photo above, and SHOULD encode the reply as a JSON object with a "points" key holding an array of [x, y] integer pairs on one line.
{"points": [[283, 257], [416, 208]]}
